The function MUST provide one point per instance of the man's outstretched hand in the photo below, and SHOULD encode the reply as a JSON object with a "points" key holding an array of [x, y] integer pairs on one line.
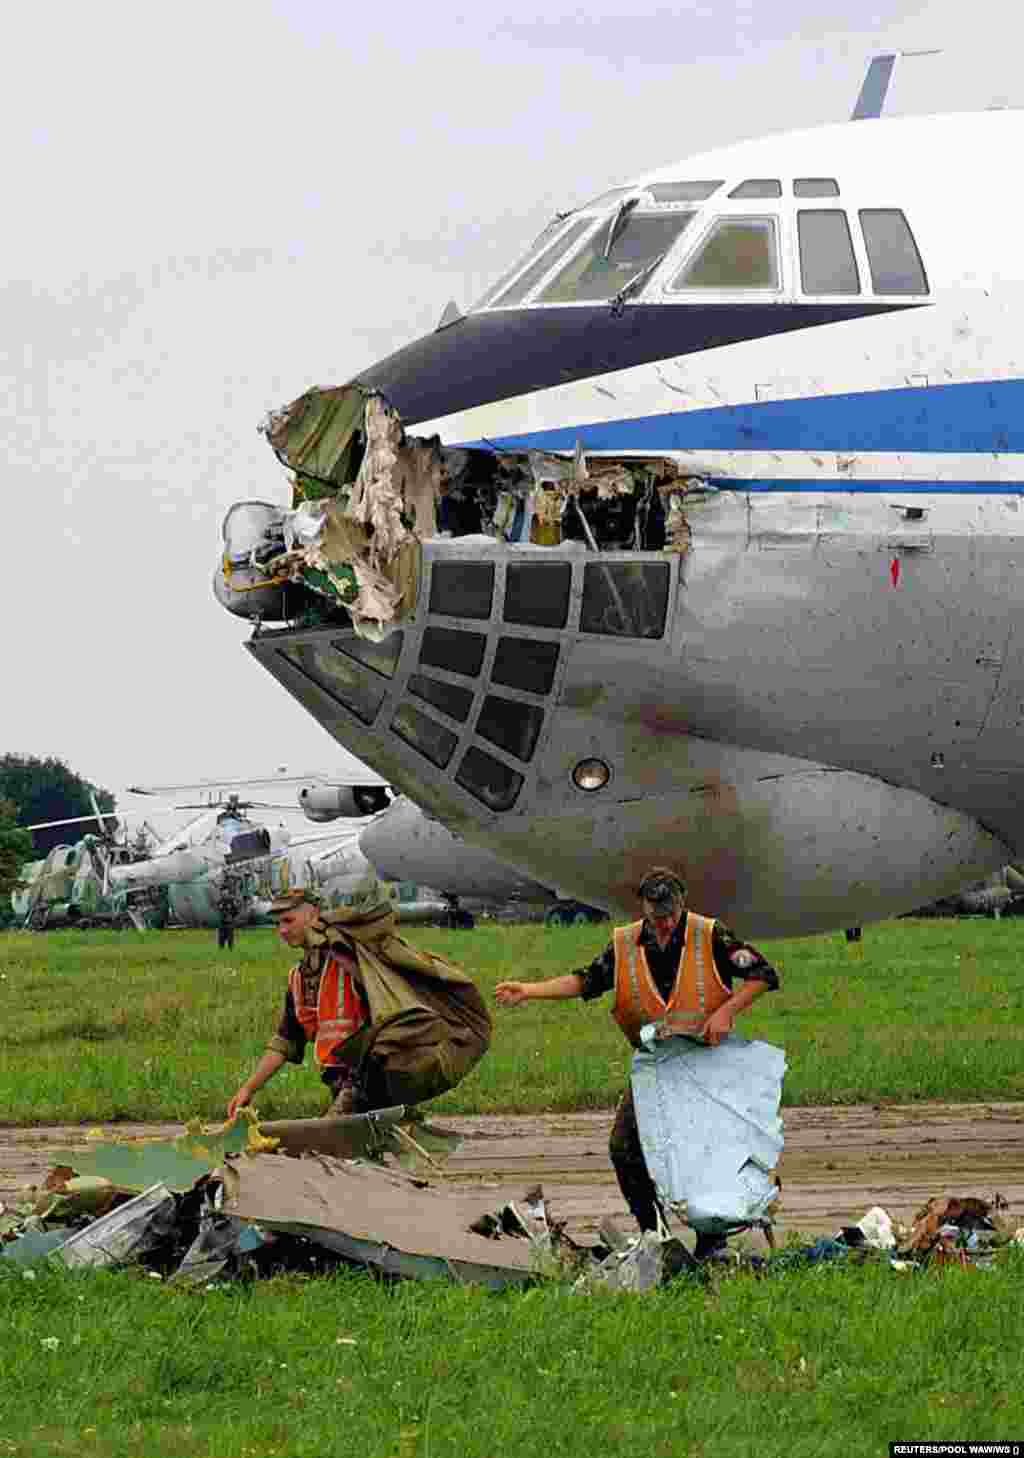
{"points": [[511, 994]]}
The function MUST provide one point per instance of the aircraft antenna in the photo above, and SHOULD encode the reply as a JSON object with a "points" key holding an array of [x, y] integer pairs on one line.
{"points": [[452, 314]]}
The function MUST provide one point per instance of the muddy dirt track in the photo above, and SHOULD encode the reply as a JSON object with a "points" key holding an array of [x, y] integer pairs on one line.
{"points": [[837, 1161]]}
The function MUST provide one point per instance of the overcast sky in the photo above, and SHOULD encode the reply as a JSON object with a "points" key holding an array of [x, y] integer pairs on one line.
{"points": [[209, 208]]}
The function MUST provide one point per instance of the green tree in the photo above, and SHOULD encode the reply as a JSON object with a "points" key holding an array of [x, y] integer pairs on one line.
{"points": [[15, 850], [46, 789]]}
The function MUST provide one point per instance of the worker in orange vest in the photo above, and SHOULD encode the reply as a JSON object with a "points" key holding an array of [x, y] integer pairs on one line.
{"points": [[388, 1023], [674, 969]]}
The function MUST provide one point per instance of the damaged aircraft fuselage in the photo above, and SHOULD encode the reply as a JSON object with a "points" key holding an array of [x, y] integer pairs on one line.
{"points": [[696, 541]]}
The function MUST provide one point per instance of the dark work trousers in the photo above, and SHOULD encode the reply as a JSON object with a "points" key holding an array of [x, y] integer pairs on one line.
{"points": [[630, 1167]]}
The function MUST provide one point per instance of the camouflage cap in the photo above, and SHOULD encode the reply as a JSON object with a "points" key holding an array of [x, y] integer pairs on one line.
{"points": [[661, 887], [289, 900]]}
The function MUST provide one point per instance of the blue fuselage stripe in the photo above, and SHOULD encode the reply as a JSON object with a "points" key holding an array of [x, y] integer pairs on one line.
{"points": [[975, 417], [867, 486]]}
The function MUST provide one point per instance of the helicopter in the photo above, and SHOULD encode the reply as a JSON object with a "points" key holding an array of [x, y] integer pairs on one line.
{"points": [[211, 868], [72, 885], [204, 874], [1000, 894], [331, 862]]}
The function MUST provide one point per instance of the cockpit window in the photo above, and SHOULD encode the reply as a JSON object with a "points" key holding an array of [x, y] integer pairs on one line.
{"points": [[488, 779], [896, 266], [827, 263], [815, 187], [510, 725], [382, 657], [545, 237], [462, 589], [622, 248], [605, 199], [249, 843], [670, 192], [525, 663], [328, 667], [758, 187], [433, 740], [624, 599], [541, 262], [738, 253], [450, 698], [454, 651], [537, 594]]}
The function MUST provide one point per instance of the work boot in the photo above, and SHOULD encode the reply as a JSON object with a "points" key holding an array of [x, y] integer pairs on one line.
{"points": [[676, 1260], [710, 1247]]}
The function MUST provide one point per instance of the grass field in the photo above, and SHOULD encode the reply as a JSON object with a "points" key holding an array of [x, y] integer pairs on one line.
{"points": [[818, 1363], [101, 1026], [821, 1363]]}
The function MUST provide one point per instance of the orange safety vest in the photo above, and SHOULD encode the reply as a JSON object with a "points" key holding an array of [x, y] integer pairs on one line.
{"points": [[337, 1013], [698, 990]]}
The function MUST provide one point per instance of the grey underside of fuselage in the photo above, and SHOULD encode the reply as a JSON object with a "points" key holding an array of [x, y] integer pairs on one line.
{"points": [[838, 685], [405, 845]]}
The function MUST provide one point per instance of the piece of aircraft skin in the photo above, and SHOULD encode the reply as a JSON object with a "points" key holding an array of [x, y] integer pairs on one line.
{"points": [[815, 737]]}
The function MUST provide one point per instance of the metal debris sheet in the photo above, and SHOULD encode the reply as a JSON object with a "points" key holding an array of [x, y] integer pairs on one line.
{"points": [[380, 1217], [710, 1126]]}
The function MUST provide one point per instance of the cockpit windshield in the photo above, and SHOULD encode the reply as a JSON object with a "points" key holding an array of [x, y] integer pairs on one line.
{"points": [[605, 199], [544, 254], [682, 192], [622, 248]]}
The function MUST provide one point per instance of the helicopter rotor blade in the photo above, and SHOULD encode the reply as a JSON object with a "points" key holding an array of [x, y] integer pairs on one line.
{"points": [[266, 805], [72, 820], [241, 805], [354, 774], [119, 815]]}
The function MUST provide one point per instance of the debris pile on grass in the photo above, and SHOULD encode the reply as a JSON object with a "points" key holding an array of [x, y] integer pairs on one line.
{"points": [[248, 1199], [947, 1230]]}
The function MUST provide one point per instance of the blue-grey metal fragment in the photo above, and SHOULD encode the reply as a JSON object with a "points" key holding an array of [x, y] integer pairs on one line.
{"points": [[221, 1240], [34, 1245], [126, 1234], [710, 1127], [635, 1266]]}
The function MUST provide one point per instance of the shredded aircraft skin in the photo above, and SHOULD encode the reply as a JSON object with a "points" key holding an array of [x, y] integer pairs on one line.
{"points": [[366, 496], [257, 1142]]}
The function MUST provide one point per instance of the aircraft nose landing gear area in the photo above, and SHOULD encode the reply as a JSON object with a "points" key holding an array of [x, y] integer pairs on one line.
{"points": [[573, 913]]}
